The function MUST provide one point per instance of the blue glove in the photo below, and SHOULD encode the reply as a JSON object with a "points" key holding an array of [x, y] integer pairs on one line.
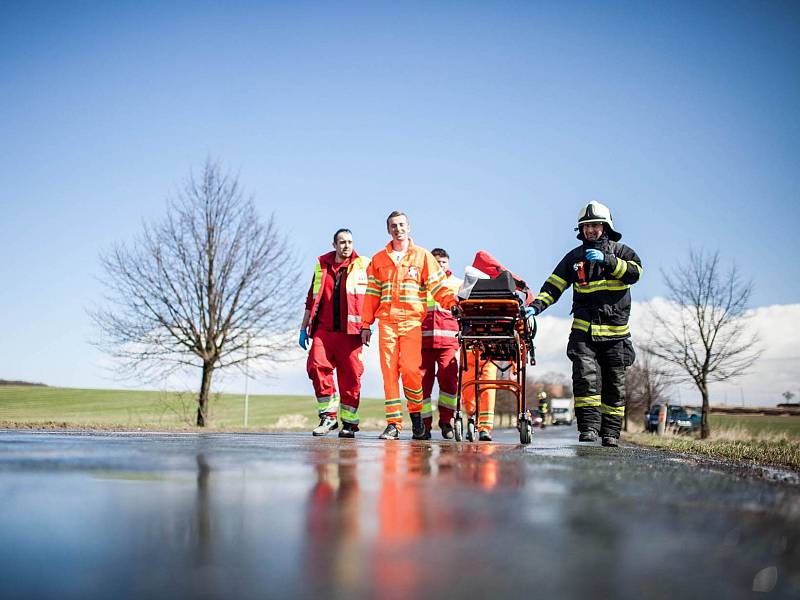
{"points": [[531, 311], [303, 341], [593, 255]]}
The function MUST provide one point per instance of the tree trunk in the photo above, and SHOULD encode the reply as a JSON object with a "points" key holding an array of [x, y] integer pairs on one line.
{"points": [[705, 428], [202, 400]]}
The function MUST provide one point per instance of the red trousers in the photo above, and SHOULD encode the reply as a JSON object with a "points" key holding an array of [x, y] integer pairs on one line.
{"points": [[340, 351], [440, 364]]}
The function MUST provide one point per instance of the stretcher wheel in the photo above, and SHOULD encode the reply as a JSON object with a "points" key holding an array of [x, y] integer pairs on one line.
{"points": [[458, 429], [525, 431], [471, 430]]}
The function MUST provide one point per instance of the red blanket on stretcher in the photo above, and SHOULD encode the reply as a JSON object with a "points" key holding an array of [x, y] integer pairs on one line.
{"points": [[488, 264]]}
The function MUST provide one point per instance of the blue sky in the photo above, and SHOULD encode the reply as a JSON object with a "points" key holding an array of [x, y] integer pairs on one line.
{"points": [[490, 124]]}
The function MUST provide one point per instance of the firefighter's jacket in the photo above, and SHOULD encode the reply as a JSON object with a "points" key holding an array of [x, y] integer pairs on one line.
{"points": [[602, 306], [397, 292], [439, 328], [355, 287]]}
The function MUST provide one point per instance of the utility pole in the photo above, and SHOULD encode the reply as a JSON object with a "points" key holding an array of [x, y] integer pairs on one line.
{"points": [[246, 380]]}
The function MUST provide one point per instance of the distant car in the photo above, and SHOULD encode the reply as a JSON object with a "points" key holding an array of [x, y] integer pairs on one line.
{"points": [[679, 418], [686, 421]]}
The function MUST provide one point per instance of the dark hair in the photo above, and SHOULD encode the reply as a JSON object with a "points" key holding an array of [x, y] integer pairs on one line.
{"points": [[440, 253], [342, 230], [395, 213]]}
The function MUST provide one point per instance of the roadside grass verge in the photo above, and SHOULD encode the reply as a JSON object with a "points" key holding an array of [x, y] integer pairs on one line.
{"points": [[756, 424], [70, 408], [736, 444]]}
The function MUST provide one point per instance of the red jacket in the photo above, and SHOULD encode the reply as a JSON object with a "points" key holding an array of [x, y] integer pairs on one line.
{"points": [[352, 299], [439, 327]]}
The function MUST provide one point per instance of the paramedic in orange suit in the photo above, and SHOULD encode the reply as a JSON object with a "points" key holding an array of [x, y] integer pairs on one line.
{"points": [[399, 278], [486, 370]]}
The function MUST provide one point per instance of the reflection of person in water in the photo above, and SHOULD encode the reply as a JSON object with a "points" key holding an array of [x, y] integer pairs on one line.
{"points": [[402, 522], [203, 545], [332, 532]]}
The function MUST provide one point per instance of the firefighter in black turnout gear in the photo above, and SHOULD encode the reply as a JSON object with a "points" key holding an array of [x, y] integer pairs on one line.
{"points": [[600, 271]]}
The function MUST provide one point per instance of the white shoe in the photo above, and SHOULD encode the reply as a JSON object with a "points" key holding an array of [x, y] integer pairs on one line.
{"points": [[326, 425]]}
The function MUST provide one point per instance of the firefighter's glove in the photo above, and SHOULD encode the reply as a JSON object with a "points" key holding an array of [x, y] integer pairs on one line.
{"points": [[531, 311], [304, 339], [594, 255]]}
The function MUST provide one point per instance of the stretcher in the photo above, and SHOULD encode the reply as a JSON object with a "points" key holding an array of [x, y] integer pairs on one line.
{"points": [[493, 328]]}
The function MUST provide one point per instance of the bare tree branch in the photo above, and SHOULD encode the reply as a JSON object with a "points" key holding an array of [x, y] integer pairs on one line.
{"points": [[702, 335], [211, 286]]}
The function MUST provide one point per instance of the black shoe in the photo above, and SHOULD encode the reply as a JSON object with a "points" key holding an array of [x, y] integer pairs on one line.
{"points": [[590, 435], [390, 433], [609, 441], [447, 431], [347, 431], [485, 436], [326, 425], [418, 429]]}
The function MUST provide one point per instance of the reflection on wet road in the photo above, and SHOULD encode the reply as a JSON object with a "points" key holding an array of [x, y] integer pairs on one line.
{"points": [[223, 515]]}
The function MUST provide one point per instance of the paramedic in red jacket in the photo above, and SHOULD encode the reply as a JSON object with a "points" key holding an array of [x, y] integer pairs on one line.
{"points": [[440, 354], [333, 319]]}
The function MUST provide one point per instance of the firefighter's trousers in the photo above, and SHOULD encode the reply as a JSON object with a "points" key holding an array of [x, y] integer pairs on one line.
{"points": [[400, 349], [439, 364], [486, 370], [340, 351], [598, 382]]}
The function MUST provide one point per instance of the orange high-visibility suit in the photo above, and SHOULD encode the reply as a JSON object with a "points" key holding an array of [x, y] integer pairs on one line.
{"points": [[487, 370], [397, 296]]}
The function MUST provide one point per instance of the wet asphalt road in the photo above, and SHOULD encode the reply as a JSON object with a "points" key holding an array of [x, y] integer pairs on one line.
{"points": [[288, 515]]}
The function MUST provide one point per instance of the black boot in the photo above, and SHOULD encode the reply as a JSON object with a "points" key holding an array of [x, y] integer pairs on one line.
{"points": [[447, 431], [590, 435], [610, 441], [348, 431], [418, 429]]}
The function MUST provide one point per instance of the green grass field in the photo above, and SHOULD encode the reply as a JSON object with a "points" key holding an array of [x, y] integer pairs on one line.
{"points": [[765, 440], [757, 424], [23, 405]]}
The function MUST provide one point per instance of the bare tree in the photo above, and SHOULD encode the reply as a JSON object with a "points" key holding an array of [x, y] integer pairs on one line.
{"points": [[210, 287], [645, 385], [703, 336]]}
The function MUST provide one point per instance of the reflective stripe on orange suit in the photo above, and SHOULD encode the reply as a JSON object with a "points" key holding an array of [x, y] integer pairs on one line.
{"points": [[488, 370], [397, 295]]}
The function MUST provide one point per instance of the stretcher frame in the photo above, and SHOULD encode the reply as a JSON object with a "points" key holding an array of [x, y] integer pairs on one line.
{"points": [[494, 330]]}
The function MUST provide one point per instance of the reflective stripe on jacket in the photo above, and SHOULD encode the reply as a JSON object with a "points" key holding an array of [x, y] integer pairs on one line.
{"points": [[601, 308], [355, 289], [397, 292], [439, 328]]}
